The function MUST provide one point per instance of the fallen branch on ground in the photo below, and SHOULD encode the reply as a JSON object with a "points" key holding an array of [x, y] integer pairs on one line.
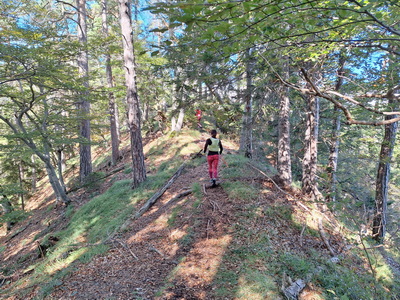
{"points": [[152, 248], [95, 180], [183, 194], [153, 199], [125, 246], [263, 173]]}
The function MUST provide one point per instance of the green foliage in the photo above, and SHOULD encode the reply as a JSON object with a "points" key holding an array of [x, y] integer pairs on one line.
{"points": [[14, 216]]}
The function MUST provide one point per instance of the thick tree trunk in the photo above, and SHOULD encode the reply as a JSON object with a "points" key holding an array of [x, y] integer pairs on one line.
{"points": [[113, 109], [84, 105], [246, 139], [309, 182], [284, 164], [134, 118], [382, 180]]}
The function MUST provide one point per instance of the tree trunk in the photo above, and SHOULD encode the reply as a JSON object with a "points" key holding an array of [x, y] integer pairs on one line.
{"points": [[21, 175], [309, 182], [134, 118], [382, 179], [334, 142], [246, 139], [59, 191], [34, 174], [333, 156], [177, 124], [84, 105], [113, 109], [284, 159], [7, 208], [61, 167]]}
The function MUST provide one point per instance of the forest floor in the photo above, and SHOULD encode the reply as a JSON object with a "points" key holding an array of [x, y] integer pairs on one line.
{"points": [[179, 249]]}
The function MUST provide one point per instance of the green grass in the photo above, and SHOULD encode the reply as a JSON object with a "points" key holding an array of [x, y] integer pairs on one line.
{"points": [[174, 215], [91, 224], [197, 191], [236, 167], [238, 190]]}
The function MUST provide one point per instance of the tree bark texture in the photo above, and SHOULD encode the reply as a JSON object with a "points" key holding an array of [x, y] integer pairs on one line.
{"points": [[34, 174], [7, 207], [113, 109], [179, 122], [284, 164], [334, 142], [60, 168], [246, 139], [21, 179], [85, 154], [133, 107], [309, 182], [382, 180]]}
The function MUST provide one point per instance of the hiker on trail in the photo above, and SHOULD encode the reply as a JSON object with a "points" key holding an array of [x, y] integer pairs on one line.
{"points": [[198, 116], [214, 147]]}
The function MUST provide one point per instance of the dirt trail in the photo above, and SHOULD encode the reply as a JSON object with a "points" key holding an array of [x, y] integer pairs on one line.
{"points": [[172, 251]]}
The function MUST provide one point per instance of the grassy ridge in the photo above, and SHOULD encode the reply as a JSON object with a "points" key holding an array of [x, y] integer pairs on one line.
{"points": [[264, 246]]}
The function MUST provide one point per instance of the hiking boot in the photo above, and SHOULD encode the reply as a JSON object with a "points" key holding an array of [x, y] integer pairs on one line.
{"points": [[213, 181]]}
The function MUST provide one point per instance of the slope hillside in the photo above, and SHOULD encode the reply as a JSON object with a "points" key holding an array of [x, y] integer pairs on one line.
{"points": [[245, 239]]}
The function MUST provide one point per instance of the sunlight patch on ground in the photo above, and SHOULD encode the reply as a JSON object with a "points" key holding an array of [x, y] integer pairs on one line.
{"points": [[142, 235], [177, 234], [23, 246], [203, 260], [40, 199], [60, 264]]}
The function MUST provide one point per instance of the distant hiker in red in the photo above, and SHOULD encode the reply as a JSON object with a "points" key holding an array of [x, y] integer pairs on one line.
{"points": [[214, 147], [198, 116]]}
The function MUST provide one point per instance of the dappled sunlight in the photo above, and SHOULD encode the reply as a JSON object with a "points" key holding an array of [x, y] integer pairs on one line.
{"points": [[159, 224], [177, 234], [26, 244], [59, 264], [203, 261]]}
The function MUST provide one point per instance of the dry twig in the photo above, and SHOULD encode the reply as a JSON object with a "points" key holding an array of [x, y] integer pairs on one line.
{"points": [[126, 248], [152, 248]]}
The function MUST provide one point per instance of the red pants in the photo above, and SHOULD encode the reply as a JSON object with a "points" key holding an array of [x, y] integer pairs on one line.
{"points": [[213, 165]]}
